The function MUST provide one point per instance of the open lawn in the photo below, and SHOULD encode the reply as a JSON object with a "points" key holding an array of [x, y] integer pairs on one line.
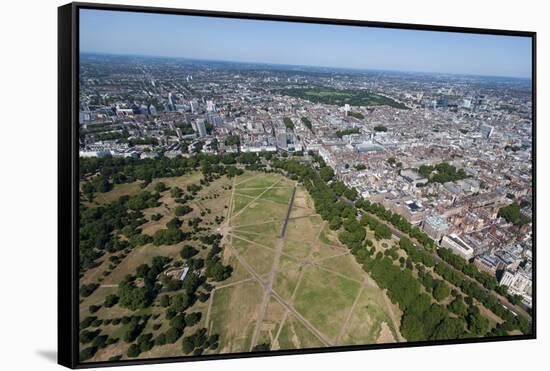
{"points": [[365, 323], [258, 211], [287, 277], [234, 311], [300, 290], [294, 335], [325, 299]]}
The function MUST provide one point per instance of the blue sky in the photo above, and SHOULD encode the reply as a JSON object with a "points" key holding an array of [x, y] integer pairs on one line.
{"points": [[212, 38]]}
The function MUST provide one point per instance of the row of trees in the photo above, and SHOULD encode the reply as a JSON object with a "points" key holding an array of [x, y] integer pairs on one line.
{"points": [[307, 123], [397, 221], [288, 123], [473, 289], [487, 280]]}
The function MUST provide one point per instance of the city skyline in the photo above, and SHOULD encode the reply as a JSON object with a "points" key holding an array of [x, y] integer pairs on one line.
{"points": [[302, 44]]}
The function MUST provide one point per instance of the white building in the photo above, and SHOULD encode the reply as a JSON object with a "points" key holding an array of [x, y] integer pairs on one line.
{"points": [[458, 246], [435, 226], [519, 282], [210, 106]]}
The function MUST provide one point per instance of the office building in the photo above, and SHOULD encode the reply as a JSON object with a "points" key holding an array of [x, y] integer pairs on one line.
{"points": [[201, 127], [458, 246]]}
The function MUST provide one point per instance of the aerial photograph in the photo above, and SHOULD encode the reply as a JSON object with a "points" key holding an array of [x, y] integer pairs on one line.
{"points": [[262, 186]]}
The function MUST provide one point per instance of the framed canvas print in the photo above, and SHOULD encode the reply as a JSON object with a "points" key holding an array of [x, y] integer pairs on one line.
{"points": [[239, 185]]}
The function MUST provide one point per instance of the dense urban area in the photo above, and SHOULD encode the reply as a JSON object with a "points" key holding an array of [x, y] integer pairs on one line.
{"points": [[232, 207]]}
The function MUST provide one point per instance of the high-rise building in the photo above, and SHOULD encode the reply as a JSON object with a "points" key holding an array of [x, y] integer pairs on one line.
{"points": [[201, 127], [347, 108], [214, 118], [194, 105], [486, 131], [171, 101], [210, 106]]}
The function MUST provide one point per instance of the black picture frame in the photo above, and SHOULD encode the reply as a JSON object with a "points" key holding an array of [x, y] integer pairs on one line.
{"points": [[68, 170]]}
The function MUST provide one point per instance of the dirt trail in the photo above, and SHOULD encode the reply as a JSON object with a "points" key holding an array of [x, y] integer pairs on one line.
{"points": [[268, 288], [345, 324]]}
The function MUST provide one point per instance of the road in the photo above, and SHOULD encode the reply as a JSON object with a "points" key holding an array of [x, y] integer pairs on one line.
{"points": [[268, 286], [397, 233]]}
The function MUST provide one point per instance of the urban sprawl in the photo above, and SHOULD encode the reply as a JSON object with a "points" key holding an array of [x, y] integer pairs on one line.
{"points": [[451, 154]]}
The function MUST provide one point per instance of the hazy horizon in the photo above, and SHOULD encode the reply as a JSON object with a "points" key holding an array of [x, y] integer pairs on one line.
{"points": [[303, 44]]}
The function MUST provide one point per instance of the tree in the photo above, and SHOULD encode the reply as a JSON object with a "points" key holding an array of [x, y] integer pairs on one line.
{"points": [[513, 215], [288, 123], [515, 299], [160, 340], [441, 290], [178, 321], [307, 123], [411, 328], [191, 282], [192, 318], [176, 192], [263, 347], [87, 290], [457, 306], [341, 133], [477, 324], [133, 351], [187, 345], [449, 328], [142, 270], [168, 237], [180, 302], [160, 187], [232, 140], [87, 353], [132, 332], [145, 342], [182, 210], [326, 173], [335, 223], [217, 271], [87, 336], [174, 223], [132, 297], [88, 189], [188, 251], [94, 308], [172, 335]]}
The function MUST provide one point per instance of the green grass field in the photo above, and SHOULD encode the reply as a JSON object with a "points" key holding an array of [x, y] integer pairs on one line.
{"points": [[313, 285], [325, 299]]}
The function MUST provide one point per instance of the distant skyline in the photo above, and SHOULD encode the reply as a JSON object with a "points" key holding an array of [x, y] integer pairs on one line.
{"points": [[275, 42]]}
